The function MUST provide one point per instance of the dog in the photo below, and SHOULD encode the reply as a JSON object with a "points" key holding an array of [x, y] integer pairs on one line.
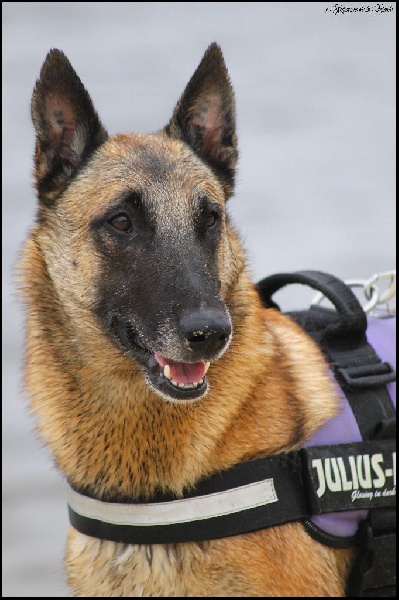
{"points": [[151, 362]]}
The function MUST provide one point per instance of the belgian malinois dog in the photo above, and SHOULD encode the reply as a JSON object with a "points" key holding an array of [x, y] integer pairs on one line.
{"points": [[151, 362]]}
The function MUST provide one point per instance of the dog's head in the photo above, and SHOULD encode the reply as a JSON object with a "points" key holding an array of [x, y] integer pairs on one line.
{"points": [[134, 227]]}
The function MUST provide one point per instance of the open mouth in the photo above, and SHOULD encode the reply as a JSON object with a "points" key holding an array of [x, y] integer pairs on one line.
{"points": [[180, 380], [171, 379]]}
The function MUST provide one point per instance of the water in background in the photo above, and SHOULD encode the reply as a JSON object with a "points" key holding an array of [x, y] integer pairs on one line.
{"points": [[315, 96]]}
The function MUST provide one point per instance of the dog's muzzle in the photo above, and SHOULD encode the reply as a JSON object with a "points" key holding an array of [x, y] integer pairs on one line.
{"points": [[204, 338]]}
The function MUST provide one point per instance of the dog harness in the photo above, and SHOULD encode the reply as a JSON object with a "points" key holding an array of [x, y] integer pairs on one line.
{"points": [[341, 485]]}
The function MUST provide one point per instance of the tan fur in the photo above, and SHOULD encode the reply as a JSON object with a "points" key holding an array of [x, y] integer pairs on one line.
{"points": [[105, 426]]}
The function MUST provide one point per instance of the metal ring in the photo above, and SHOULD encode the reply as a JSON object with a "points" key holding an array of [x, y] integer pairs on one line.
{"points": [[389, 293]]}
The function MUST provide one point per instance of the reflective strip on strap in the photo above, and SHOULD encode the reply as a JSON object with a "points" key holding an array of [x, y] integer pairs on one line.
{"points": [[175, 511]]}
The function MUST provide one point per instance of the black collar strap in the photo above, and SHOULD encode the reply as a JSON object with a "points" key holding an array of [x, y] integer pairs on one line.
{"points": [[247, 497], [243, 498]]}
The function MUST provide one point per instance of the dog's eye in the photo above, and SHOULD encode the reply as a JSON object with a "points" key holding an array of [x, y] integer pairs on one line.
{"points": [[121, 222], [212, 219]]}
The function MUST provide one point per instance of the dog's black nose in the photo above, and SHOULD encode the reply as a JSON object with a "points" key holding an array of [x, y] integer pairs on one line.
{"points": [[205, 333]]}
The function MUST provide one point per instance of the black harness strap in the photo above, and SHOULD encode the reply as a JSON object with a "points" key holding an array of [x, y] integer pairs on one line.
{"points": [[288, 487], [283, 471]]}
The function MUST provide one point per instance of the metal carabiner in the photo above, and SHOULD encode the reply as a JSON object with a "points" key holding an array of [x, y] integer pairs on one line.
{"points": [[389, 293]]}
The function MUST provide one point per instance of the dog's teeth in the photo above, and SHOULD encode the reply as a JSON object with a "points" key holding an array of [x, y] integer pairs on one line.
{"points": [[183, 386], [207, 365], [166, 371]]}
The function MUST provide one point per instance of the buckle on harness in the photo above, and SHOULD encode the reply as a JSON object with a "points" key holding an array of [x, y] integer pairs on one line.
{"points": [[374, 572], [368, 375]]}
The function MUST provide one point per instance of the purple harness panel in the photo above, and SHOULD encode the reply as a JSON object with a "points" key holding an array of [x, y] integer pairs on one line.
{"points": [[343, 428]]}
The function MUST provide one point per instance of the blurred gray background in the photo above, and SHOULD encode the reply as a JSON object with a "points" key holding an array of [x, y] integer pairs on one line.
{"points": [[315, 96]]}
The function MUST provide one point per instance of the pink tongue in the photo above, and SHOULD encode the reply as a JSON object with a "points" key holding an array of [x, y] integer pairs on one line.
{"points": [[182, 372]]}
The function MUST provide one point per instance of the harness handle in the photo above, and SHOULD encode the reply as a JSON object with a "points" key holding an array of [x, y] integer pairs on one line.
{"points": [[352, 318]]}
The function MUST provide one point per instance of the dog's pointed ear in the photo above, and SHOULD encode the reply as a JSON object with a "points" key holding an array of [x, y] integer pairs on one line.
{"points": [[204, 117], [67, 126]]}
